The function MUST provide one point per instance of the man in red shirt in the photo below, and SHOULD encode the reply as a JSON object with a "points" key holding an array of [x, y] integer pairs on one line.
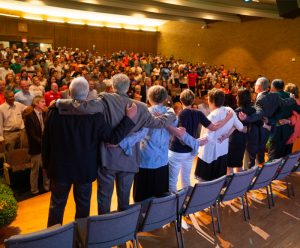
{"points": [[53, 94], [2, 88], [192, 77]]}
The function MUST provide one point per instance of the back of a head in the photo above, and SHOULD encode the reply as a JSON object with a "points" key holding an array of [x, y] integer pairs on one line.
{"points": [[217, 97], [157, 94], [244, 98], [187, 97], [264, 83], [121, 83], [79, 88], [278, 84]]}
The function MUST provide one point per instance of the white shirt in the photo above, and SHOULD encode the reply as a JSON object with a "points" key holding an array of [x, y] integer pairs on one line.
{"points": [[11, 117], [37, 90], [4, 72], [214, 149]]}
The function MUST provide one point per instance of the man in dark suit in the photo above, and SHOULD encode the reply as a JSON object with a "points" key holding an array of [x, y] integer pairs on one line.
{"points": [[145, 87], [281, 133], [267, 103], [71, 152], [34, 125]]}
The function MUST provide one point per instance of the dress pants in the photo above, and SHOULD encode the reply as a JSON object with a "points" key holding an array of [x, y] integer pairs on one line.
{"points": [[59, 196], [278, 147], [36, 161], [106, 179], [263, 139]]}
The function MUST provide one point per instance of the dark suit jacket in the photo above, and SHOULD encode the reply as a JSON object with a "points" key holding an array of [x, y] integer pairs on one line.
{"points": [[144, 93], [71, 144], [34, 133], [267, 103]]}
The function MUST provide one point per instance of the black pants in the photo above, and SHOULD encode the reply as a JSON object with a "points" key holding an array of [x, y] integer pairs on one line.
{"points": [[278, 147], [263, 139], [59, 196]]}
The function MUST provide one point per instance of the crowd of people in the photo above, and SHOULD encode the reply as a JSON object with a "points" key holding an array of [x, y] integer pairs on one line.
{"points": [[136, 119]]}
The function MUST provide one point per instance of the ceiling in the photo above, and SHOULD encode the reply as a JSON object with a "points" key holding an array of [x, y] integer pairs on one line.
{"points": [[141, 13], [183, 10]]}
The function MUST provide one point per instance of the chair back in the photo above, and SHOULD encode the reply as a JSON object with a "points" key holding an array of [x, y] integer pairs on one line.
{"points": [[112, 229], [288, 166], [181, 199], [266, 174], [18, 159], [239, 184], [161, 211], [204, 195], [56, 236]]}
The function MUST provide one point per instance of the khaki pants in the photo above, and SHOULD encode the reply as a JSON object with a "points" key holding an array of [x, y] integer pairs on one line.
{"points": [[14, 140], [34, 174]]}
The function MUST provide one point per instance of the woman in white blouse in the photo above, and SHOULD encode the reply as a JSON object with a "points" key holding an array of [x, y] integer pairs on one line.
{"points": [[212, 158]]}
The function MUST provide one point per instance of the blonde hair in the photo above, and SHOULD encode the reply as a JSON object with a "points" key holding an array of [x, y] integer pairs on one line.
{"points": [[292, 88]]}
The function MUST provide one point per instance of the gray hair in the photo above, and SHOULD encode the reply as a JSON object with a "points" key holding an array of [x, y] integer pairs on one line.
{"points": [[121, 83], [157, 94], [263, 82], [107, 82], [79, 88]]}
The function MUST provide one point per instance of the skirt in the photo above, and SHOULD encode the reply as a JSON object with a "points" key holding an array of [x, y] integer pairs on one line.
{"points": [[213, 170], [151, 183]]}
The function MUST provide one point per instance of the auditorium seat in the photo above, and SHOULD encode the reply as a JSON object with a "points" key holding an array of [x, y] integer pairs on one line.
{"points": [[52, 237]]}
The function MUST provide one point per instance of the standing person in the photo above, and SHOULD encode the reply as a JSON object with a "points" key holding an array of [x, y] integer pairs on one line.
{"points": [[267, 103], [2, 88], [116, 166], [24, 96], [192, 78], [180, 155], [238, 141], [34, 125], [294, 120], [281, 133], [212, 157], [71, 152], [12, 133], [53, 94]]}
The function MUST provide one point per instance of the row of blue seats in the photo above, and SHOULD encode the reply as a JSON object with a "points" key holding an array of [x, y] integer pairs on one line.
{"points": [[119, 227]]}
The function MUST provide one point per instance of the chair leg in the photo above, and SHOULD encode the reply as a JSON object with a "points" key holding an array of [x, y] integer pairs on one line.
{"points": [[272, 195], [244, 209], [212, 219], [247, 205], [287, 187], [134, 243], [218, 218], [137, 241], [179, 227], [292, 189], [268, 197], [176, 232]]}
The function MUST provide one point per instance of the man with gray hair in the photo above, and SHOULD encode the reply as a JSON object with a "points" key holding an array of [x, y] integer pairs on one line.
{"points": [[267, 103], [115, 164], [70, 151]]}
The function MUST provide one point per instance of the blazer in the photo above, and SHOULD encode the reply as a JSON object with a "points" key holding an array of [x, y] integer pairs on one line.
{"points": [[113, 108], [267, 103], [34, 133], [144, 93], [71, 144]]}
